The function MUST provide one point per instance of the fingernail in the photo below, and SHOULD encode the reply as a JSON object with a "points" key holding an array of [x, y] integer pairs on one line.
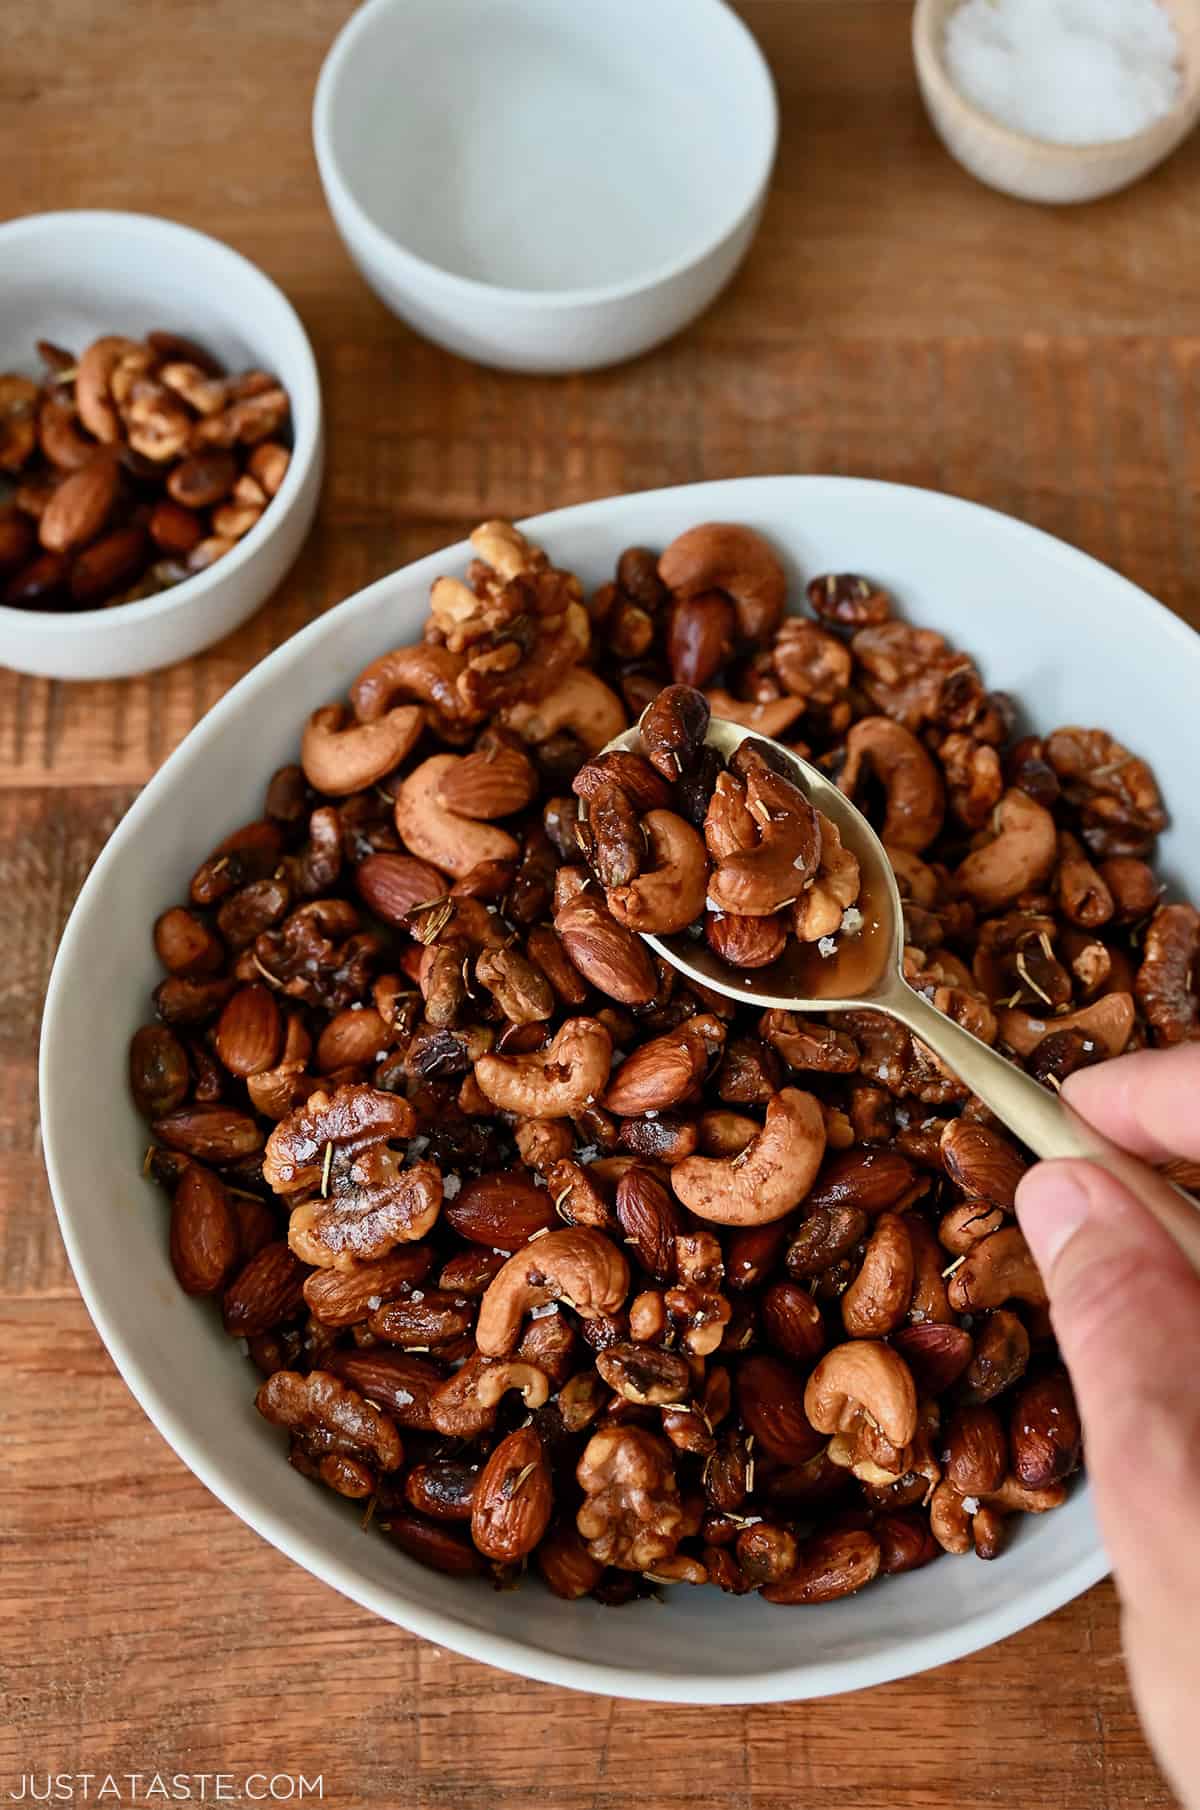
{"points": [[1052, 1205]]}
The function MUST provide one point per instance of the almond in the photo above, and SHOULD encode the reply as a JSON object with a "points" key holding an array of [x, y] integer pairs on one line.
{"points": [[905, 1542], [351, 1039], [108, 565], [650, 1219], [81, 505], [513, 1499], [793, 1323], [936, 1354], [982, 1162], [613, 959], [660, 1073], [158, 1070], [266, 1291], [771, 1399], [502, 1210], [1045, 1432], [203, 479], [173, 528], [391, 885], [250, 1031], [394, 1380], [431, 1543], [215, 1134], [346, 1297], [492, 782], [184, 944], [976, 1451], [828, 1566], [204, 1233], [871, 1180]]}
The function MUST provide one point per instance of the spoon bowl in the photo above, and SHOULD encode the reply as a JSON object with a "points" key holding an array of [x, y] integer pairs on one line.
{"points": [[866, 969]]}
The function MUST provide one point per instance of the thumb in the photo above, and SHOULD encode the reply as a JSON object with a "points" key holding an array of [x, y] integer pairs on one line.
{"points": [[1126, 1310]]}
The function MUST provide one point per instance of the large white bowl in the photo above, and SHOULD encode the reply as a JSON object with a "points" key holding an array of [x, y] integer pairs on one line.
{"points": [[545, 186], [73, 276], [1075, 643]]}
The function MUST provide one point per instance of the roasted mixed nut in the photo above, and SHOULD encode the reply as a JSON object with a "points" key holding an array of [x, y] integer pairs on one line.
{"points": [[543, 1253], [130, 468], [681, 839]]}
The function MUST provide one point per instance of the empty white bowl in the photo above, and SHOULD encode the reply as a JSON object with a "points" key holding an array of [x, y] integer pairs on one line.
{"points": [[1074, 643], [69, 278], [1031, 168], [541, 186]]}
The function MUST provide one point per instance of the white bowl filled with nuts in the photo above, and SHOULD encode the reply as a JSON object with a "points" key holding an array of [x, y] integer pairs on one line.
{"points": [[161, 443], [406, 1187]]}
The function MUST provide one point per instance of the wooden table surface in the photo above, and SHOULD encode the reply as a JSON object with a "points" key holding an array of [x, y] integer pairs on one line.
{"points": [[894, 320]]}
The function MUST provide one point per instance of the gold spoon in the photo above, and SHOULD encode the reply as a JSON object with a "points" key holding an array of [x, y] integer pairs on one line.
{"points": [[868, 970]]}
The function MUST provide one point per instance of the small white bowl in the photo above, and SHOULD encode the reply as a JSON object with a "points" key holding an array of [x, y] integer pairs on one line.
{"points": [[1031, 168], [546, 187], [1071, 640], [70, 277]]}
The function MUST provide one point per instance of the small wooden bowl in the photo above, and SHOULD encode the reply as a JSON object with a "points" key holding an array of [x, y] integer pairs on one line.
{"points": [[1031, 168]]}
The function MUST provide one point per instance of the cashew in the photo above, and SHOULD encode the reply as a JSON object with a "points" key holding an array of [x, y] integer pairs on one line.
{"points": [[555, 1082], [426, 671], [754, 882], [581, 703], [533, 1384], [1019, 858], [999, 1268], [917, 880], [578, 1266], [1108, 1020], [877, 1299], [916, 796], [861, 1378], [340, 759], [949, 1522], [453, 843], [92, 397], [769, 1177], [836, 885], [671, 895], [773, 717], [725, 556]]}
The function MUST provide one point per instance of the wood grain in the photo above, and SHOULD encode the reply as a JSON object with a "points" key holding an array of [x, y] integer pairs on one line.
{"points": [[893, 320]]}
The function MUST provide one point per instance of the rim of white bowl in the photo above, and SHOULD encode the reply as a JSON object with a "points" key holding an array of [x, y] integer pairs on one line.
{"points": [[778, 1684], [451, 281], [64, 624], [1165, 133]]}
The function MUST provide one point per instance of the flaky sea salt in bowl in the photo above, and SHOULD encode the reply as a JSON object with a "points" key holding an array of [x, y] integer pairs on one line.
{"points": [[1020, 99]]}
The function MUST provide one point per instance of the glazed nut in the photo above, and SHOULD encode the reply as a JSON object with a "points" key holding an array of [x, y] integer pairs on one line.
{"points": [[349, 1297], [578, 1266], [268, 465], [771, 1398], [615, 960], [769, 1177], [555, 1082], [1045, 1432], [758, 878], [1017, 860], [910, 779], [999, 1359], [580, 704], [982, 1162], [863, 1378], [670, 894], [501, 1210], [324, 1415], [204, 1233], [976, 1451], [673, 728], [642, 1375], [828, 1566], [659, 1074], [496, 780], [81, 505], [727, 557], [878, 1298], [937, 1354], [451, 842], [997, 1269], [745, 942], [631, 1516], [203, 478], [650, 1220], [340, 756]]}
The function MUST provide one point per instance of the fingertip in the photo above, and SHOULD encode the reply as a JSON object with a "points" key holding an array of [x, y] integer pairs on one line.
{"points": [[1053, 1203], [1145, 1102]]}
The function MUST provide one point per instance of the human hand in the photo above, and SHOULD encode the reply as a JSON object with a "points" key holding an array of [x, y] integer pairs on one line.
{"points": [[1126, 1309]]}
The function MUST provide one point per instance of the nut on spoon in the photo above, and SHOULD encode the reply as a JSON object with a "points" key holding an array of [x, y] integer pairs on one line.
{"points": [[868, 970]]}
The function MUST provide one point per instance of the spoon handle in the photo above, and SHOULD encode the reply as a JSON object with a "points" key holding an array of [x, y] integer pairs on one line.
{"points": [[1040, 1118]]}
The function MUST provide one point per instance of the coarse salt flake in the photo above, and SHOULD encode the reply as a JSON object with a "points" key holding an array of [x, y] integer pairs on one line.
{"points": [[1069, 72], [401, 1398], [374, 1301], [827, 945], [451, 1186], [544, 1311], [852, 921], [417, 1295], [971, 1504]]}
